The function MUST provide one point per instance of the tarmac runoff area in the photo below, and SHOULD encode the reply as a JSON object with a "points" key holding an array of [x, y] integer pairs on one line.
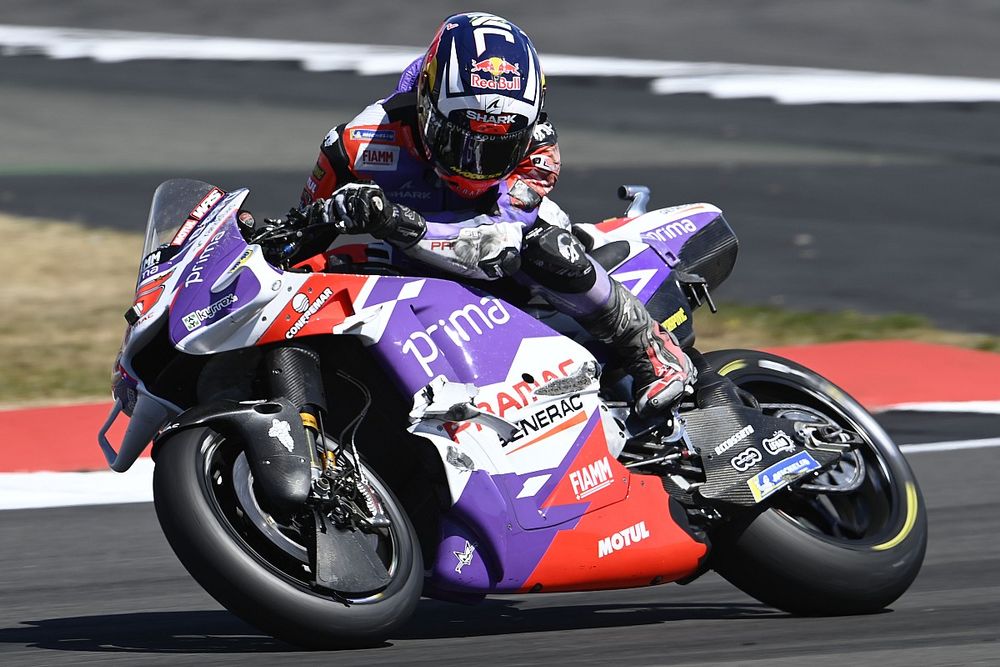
{"points": [[64, 466]]}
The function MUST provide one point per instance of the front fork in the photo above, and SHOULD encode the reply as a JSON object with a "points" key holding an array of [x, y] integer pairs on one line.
{"points": [[340, 556], [293, 372]]}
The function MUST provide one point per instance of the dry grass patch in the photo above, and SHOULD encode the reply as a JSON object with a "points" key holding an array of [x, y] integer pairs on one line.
{"points": [[63, 296]]}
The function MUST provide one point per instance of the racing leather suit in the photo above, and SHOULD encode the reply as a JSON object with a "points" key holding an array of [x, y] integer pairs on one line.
{"points": [[382, 145]]}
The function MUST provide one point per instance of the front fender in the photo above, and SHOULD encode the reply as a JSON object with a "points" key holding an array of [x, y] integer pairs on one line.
{"points": [[273, 438]]}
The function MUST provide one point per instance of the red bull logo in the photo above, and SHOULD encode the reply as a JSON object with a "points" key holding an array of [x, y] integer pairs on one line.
{"points": [[498, 68]]}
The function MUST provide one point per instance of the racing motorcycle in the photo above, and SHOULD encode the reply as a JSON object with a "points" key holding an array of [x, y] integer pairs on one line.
{"points": [[334, 438]]}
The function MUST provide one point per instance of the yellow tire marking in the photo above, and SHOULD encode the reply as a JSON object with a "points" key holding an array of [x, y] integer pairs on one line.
{"points": [[732, 366], [911, 520]]}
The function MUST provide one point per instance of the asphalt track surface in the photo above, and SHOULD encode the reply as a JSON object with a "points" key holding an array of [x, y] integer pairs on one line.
{"points": [[92, 585], [877, 208]]}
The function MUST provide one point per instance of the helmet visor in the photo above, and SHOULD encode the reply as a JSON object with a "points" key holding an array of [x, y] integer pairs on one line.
{"points": [[477, 156]]}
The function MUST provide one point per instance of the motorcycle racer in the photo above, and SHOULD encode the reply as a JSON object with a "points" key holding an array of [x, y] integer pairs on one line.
{"points": [[454, 169]]}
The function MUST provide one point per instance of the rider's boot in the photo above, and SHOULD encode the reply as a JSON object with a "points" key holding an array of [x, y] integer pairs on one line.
{"points": [[660, 370]]}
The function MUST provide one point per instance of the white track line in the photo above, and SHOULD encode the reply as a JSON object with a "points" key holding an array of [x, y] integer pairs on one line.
{"points": [[972, 407], [949, 445], [23, 490], [787, 85], [35, 490]]}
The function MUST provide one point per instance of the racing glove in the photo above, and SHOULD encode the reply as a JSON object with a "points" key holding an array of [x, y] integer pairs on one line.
{"points": [[362, 208], [494, 249]]}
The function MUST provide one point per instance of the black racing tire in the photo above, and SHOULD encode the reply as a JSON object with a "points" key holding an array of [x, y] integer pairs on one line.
{"points": [[790, 559], [233, 565]]}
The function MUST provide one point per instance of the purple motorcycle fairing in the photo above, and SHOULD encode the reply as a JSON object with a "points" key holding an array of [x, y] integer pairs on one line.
{"points": [[451, 330], [484, 550], [668, 239], [504, 554], [643, 272], [195, 306]]}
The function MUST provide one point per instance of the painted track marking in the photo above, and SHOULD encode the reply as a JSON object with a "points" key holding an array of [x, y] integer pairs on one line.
{"points": [[974, 407], [951, 445], [35, 490], [786, 85]]}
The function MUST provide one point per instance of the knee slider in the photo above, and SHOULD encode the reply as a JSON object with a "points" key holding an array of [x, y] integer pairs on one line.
{"points": [[557, 260]]}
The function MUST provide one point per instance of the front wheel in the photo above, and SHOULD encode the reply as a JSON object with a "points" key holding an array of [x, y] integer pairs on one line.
{"points": [[820, 550], [258, 567]]}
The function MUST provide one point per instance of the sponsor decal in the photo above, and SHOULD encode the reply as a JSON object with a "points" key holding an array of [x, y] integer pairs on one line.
{"points": [[464, 557], [282, 432], [734, 438], [377, 158], [675, 320], [152, 259], [498, 69], [300, 304], [671, 230], [185, 230], [194, 277], [196, 215], [460, 326], [547, 416], [150, 264], [518, 396], [781, 474], [331, 138], [311, 186], [195, 319], [406, 192], [746, 459], [318, 172], [442, 245], [622, 539], [492, 118], [451, 26], [373, 135], [591, 478], [779, 442], [205, 205]]}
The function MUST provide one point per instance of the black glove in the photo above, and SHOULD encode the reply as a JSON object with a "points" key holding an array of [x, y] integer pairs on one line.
{"points": [[361, 208]]}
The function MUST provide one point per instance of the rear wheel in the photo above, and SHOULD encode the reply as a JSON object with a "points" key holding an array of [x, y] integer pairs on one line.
{"points": [[833, 546], [258, 567]]}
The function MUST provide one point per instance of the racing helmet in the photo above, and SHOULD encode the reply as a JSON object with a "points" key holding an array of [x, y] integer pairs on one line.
{"points": [[479, 96]]}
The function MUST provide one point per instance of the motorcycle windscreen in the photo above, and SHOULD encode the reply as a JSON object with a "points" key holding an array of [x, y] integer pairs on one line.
{"points": [[177, 206]]}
